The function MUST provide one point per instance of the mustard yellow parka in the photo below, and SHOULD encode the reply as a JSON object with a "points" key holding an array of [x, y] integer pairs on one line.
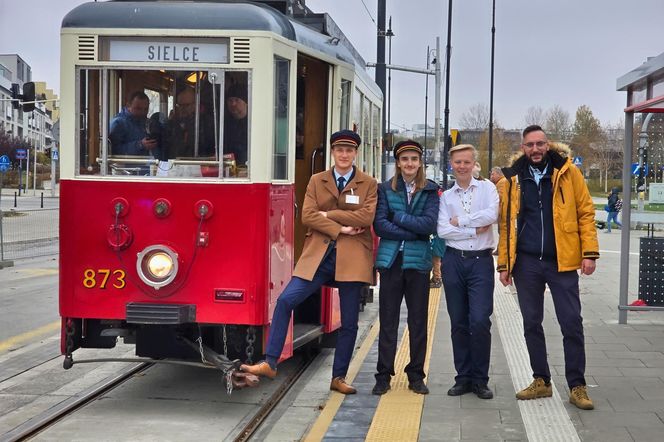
{"points": [[573, 212]]}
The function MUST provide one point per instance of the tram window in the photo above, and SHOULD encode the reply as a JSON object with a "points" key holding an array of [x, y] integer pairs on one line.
{"points": [[366, 135], [345, 104], [236, 124], [281, 83], [375, 116], [163, 123]]}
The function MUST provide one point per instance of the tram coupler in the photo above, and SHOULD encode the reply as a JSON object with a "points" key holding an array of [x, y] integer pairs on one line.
{"points": [[238, 378]]}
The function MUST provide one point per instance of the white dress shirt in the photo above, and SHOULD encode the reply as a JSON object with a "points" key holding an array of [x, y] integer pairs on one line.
{"points": [[477, 206]]}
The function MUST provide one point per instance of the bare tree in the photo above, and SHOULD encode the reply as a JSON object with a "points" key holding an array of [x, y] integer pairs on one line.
{"points": [[557, 123], [534, 115], [607, 153], [477, 117]]}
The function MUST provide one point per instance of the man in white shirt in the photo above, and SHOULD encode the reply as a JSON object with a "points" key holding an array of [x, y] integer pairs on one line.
{"points": [[466, 214]]}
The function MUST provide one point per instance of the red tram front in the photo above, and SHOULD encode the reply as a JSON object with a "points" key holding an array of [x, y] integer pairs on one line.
{"points": [[189, 131]]}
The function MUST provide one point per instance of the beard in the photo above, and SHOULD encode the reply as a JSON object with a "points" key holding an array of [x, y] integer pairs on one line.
{"points": [[541, 165]]}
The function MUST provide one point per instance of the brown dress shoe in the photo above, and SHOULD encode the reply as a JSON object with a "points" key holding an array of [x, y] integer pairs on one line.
{"points": [[339, 384], [260, 369]]}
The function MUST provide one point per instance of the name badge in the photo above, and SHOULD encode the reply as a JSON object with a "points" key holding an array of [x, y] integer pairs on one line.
{"points": [[352, 199]]}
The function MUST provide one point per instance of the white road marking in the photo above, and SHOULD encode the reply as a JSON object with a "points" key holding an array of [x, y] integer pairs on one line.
{"points": [[544, 419]]}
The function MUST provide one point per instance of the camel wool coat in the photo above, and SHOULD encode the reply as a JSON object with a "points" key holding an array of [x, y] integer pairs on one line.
{"points": [[354, 262]]}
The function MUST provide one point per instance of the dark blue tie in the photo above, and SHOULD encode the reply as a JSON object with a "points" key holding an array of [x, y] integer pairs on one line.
{"points": [[341, 183]]}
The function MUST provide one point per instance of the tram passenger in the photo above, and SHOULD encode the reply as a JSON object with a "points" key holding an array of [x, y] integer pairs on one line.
{"points": [[128, 132], [406, 216], [339, 208], [466, 214], [545, 197], [236, 124], [180, 131]]}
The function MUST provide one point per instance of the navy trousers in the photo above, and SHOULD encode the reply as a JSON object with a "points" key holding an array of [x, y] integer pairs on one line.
{"points": [[468, 284], [395, 284], [296, 292], [530, 275]]}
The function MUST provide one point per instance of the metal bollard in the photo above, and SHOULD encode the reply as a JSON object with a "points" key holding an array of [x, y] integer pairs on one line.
{"points": [[14, 200], [42, 200]]}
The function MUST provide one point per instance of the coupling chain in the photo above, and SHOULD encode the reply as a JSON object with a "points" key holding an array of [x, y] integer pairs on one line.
{"points": [[200, 345], [225, 341], [251, 338]]}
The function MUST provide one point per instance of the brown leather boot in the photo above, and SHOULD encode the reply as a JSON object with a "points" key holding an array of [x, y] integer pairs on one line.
{"points": [[339, 384], [260, 369]]}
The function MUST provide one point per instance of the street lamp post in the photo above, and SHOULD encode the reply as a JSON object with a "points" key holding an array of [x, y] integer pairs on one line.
{"points": [[493, 45], [448, 53], [389, 34], [426, 99]]}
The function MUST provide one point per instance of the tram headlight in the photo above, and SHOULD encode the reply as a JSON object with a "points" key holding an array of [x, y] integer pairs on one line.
{"points": [[157, 265]]}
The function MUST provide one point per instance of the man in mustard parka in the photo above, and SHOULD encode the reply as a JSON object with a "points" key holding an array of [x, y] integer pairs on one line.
{"points": [[547, 232]]}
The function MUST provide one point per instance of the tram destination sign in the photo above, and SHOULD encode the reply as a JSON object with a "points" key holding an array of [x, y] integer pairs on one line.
{"points": [[198, 50]]}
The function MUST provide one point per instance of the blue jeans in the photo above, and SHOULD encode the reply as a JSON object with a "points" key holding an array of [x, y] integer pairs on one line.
{"points": [[612, 216], [468, 284], [296, 292]]}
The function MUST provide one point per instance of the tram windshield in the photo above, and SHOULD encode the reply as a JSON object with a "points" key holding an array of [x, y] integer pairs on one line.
{"points": [[163, 123]]}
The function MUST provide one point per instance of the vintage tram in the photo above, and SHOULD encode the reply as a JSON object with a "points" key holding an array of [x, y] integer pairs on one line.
{"points": [[184, 247]]}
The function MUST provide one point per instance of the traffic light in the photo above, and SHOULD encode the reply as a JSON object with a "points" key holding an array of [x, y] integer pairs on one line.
{"points": [[16, 96], [29, 95]]}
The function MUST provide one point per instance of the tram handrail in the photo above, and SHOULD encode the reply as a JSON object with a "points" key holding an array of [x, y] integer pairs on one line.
{"points": [[150, 160]]}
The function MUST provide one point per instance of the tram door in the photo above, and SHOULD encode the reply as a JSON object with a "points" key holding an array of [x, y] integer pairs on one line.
{"points": [[311, 130]]}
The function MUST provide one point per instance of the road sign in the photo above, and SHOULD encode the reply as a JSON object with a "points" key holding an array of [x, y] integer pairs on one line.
{"points": [[4, 163], [578, 161], [635, 169], [55, 155], [21, 154]]}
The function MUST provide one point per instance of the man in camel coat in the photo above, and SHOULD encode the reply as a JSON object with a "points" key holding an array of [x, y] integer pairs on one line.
{"points": [[338, 210]]}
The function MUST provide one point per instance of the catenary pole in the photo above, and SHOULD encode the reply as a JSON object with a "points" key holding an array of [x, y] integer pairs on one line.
{"points": [[493, 48], [448, 56]]}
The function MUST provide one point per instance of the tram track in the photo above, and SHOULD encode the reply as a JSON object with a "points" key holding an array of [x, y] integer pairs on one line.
{"points": [[247, 428], [273, 401], [49, 417]]}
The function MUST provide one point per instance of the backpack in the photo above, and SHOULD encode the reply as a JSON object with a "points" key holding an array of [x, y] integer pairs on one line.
{"points": [[618, 205]]}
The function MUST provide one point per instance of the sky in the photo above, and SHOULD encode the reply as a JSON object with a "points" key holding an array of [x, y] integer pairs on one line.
{"points": [[548, 52]]}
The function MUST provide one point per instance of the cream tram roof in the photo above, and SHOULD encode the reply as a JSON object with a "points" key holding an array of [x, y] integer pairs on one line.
{"points": [[217, 15]]}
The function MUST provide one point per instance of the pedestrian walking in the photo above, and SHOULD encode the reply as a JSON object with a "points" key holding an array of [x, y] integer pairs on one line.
{"points": [[466, 214], [406, 216], [613, 207], [547, 232]]}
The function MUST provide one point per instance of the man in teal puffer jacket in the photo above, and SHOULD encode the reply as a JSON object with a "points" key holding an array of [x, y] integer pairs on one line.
{"points": [[406, 215]]}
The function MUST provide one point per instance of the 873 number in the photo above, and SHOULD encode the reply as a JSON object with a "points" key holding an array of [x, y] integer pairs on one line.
{"points": [[101, 278]]}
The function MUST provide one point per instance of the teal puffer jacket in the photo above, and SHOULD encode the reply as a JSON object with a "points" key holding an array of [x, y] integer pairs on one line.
{"points": [[413, 223]]}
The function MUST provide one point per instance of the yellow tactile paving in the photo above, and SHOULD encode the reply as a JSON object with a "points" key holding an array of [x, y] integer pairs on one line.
{"points": [[326, 416], [399, 411]]}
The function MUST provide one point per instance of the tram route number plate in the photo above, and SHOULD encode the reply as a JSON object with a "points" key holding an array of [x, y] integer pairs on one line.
{"points": [[166, 50], [104, 278]]}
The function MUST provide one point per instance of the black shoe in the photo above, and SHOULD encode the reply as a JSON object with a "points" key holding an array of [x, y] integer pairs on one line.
{"points": [[458, 389], [482, 391], [418, 387], [381, 387]]}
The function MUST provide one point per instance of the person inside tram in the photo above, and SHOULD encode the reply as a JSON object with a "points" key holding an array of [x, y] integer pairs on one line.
{"points": [[236, 124], [128, 131], [180, 130]]}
